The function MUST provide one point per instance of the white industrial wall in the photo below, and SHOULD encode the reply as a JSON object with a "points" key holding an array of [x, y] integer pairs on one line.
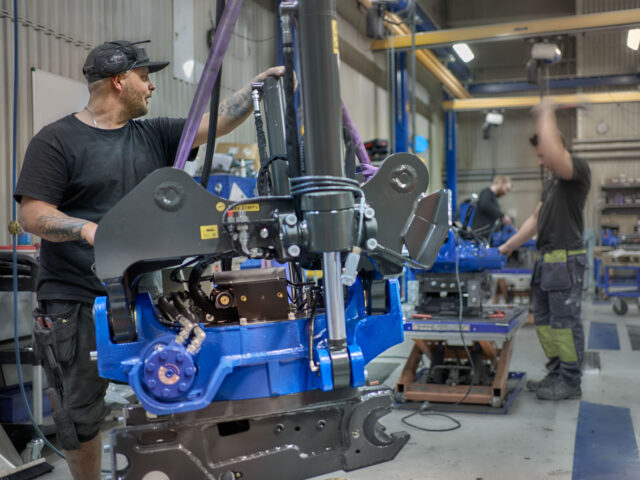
{"points": [[602, 53], [56, 35]]}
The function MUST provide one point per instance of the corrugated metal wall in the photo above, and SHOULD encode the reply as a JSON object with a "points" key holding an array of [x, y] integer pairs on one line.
{"points": [[56, 35], [600, 53]]}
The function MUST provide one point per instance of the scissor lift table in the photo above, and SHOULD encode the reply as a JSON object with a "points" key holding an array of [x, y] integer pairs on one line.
{"points": [[490, 335]]}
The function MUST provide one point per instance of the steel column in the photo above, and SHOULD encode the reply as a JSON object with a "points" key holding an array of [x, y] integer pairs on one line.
{"points": [[452, 160]]}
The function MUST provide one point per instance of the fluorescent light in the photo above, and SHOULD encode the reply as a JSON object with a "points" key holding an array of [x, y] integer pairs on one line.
{"points": [[633, 39], [464, 52]]}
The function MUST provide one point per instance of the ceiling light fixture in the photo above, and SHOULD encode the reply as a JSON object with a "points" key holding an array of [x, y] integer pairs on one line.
{"points": [[633, 38], [464, 52]]}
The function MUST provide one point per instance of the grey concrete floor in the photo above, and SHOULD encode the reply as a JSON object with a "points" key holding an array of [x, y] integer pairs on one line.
{"points": [[534, 441]]}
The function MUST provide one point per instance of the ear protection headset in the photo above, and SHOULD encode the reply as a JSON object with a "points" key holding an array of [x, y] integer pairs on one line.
{"points": [[119, 58], [115, 60]]}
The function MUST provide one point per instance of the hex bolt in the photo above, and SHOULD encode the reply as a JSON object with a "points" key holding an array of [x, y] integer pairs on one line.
{"points": [[355, 433], [279, 428], [264, 232], [433, 283], [372, 244], [321, 424], [293, 251], [369, 213], [291, 220]]}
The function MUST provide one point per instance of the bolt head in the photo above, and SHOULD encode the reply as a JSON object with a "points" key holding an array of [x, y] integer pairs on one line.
{"points": [[264, 233], [291, 220], [372, 244], [293, 250]]}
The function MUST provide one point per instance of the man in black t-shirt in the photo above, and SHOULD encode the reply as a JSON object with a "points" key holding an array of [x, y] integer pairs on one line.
{"points": [[488, 210], [558, 274], [74, 171]]}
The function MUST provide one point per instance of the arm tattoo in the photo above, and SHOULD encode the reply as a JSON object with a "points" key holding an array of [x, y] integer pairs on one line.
{"points": [[59, 227], [237, 107]]}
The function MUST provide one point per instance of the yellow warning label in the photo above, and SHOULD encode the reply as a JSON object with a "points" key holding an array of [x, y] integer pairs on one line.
{"points": [[334, 34], [247, 207], [220, 206], [207, 232]]}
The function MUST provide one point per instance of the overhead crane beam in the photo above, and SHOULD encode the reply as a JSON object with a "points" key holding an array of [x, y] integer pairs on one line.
{"points": [[425, 57], [471, 104], [515, 30]]}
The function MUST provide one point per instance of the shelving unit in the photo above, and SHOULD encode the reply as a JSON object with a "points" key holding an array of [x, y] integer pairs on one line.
{"points": [[611, 190]]}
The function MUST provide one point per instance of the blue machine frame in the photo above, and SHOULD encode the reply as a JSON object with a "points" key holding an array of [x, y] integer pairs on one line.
{"points": [[251, 361]]}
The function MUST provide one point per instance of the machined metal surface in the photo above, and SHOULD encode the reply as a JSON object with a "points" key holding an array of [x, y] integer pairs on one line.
{"points": [[307, 434], [334, 299]]}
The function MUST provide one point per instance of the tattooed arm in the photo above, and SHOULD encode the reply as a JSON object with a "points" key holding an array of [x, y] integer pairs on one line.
{"points": [[46, 221], [234, 110]]}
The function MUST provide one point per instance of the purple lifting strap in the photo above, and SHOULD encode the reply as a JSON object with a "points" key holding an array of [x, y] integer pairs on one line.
{"points": [[205, 86], [366, 168]]}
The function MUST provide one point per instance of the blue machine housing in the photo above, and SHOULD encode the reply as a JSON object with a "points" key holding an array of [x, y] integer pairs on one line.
{"points": [[470, 256], [240, 361]]}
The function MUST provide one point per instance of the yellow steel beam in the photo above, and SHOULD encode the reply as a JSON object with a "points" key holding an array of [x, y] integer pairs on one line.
{"points": [[425, 57], [510, 31], [470, 104]]}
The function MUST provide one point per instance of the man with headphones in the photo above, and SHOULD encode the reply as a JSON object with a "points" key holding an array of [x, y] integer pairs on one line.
{"points": [[74, 171], [558, 274]]}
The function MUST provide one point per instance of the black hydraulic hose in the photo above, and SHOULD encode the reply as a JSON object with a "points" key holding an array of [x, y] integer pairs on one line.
{"points": [[291, 124], [213, 112]]}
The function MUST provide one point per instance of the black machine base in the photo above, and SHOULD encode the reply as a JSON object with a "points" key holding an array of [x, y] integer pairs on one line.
{"points": [[293, 436]]}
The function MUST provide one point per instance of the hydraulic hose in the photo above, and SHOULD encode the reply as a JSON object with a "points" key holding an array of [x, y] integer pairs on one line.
{"points": [[213, 112]]}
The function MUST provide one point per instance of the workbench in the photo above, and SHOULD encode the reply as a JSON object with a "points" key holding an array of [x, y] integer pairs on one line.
{"points": [[489, 338]]}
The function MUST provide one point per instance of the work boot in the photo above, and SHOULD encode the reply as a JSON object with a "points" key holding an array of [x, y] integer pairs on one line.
{"points": [[535, 385], [559, 390]]}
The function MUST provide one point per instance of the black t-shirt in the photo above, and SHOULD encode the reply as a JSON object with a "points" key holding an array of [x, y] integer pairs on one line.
{"points": [[560, 221], [85, 171], [487, 211]]}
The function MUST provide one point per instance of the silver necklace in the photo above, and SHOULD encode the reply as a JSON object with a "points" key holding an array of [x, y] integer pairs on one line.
{"points": [[95, 124]]}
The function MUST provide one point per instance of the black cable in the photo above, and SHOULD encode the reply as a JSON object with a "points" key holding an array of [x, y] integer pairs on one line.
{"points": [[213, 112], [264, 177], [423, 413]]}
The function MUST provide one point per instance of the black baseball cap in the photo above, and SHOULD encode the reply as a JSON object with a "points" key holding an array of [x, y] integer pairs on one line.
{"points": [[113, 58]]}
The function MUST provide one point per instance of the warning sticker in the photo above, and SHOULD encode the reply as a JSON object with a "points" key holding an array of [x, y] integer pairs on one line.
{"points": [[208, 232], [247, 207]]}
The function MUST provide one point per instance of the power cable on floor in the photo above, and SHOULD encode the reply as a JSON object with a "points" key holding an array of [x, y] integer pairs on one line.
{"points": [[423, 411]]}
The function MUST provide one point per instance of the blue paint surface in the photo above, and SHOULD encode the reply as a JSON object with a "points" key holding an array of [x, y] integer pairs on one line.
{"points": [[603, 336], [605, 445]]}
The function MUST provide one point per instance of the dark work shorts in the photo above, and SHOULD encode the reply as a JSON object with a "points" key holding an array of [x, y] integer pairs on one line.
{"points": [[83, 389]]}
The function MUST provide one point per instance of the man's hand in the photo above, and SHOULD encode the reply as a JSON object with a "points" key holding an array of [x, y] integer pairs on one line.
{"points": [[505, 250], [506, 220], [278, 71]]}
